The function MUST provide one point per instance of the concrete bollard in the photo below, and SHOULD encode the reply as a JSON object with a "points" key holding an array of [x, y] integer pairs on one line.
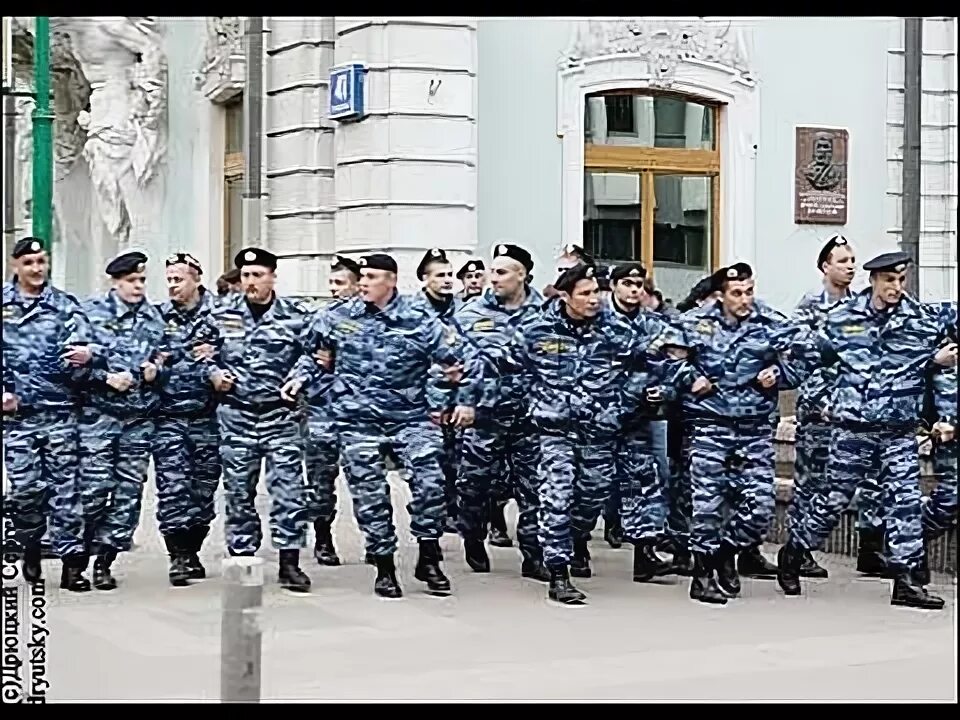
{"points": [[240, 630]]}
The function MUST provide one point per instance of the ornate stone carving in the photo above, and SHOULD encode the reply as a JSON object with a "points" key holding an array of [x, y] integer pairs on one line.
{"points": [[223, 71], [663, 44]]}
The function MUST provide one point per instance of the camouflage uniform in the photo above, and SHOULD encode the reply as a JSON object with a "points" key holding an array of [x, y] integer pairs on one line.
{"points": [[500, 452], [117, 428], [186, 446], [41, 439], [940, 507], [256, 424]]}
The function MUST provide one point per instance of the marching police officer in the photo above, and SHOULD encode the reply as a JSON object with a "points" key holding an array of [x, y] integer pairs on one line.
{"points": [[258, 336], [186, 449], [473, 276], [117, 424], [45, 349]]}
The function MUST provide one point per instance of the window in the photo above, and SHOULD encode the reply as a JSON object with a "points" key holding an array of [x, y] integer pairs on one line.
{"points": [[233, 162], [652, 184]]}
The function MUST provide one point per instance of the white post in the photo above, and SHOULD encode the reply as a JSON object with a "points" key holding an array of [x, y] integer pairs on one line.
{"points": [[240, 630]]}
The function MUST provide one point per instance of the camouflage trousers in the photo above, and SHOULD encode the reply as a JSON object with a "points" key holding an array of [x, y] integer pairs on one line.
{"points": [[450, 466], [323, 456], [246, 439], [419, 446], [186, 457], [40, 453], [500, 453], [114, 458], [857, 454], [939, 508], [809, 468], [869, 501], [576, 478], [679, 496], [731, 472], [641, 482]]}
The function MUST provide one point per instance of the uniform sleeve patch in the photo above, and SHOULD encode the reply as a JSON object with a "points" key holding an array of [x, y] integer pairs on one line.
{"points": [[484, 325]]}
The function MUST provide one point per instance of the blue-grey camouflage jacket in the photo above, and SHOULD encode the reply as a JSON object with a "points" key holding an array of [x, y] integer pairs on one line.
{"points": [[489, 328], [124, 337], [883, 359], [731, 356], [324, 389], [382, 360], [261, 355], [36, 332], [813, 395], [185, 388]]}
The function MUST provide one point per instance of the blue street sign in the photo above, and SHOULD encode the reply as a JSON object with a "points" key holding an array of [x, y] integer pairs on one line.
{"points": [[346, 91]]}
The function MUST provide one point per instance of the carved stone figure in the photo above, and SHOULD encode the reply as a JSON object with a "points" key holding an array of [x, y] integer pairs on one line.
{"points": [[223, 69]]}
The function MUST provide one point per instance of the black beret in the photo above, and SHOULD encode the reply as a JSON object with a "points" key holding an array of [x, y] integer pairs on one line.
{"points": [[573, 249], [514, 252], [835, 241], [340, 262], [186, 259], [621, 271], [378, 261], [737, 271], [27, 246], [127, 263], [430, 256], [469, 267], [255, 256], [888, 262], [571, 276], [231, 276], [603, 276]]}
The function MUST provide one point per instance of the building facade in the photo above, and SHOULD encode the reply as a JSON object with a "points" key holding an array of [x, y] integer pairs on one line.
{"points": [[685, 142]]}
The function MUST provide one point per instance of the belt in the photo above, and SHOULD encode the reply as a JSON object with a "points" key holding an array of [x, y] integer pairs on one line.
{"points": [[732, 423], [874, 427], [257, 408], [22, 413]]}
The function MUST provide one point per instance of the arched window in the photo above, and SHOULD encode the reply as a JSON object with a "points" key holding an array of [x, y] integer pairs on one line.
{"points": [[652, 183]]}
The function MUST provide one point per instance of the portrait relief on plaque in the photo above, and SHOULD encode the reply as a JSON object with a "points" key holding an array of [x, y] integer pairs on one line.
{"points": [[820, 178]]}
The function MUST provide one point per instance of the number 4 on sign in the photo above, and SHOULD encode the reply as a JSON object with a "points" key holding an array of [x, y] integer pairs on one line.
{"points": [[340, 89]]}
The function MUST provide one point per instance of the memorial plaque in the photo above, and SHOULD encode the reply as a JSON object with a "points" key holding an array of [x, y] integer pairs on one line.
{"points": [[820, 182]]}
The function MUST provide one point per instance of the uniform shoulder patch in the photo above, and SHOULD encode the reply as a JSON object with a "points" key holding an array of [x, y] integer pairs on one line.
{"points": [[705, 327], [852, 329], [484, 325], [347, 327], [552, 346]]}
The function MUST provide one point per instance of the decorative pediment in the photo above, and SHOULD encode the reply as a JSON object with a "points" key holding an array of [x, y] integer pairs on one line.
{"points": [[223, 73], [664, 44]]}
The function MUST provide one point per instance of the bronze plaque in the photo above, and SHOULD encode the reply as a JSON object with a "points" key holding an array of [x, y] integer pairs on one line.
{"points": [[820, 182]]}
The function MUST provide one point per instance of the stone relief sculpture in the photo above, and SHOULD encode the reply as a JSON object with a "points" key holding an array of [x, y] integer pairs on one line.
{"points": [[224, 39], [663, 43]]}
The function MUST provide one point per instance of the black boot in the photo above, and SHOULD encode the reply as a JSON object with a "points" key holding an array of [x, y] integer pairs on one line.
{"points": [[32, 570], [789, 561], [323, 549], [728, 580], [682, 563], [613, 531], [561, 589], [291, 577], [647, 565], [178, 548], [810, 568], [908, 592], [580, 564], [71, 576], [751, 563], [498, 524], [476, 555], [533, 568], [703, 585], [428, 568], [102, 578], [386, 584], [870, 553], [922, 573], [196, 535]]}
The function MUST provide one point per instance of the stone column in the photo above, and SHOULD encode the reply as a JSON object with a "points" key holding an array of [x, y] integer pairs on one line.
{"points": [[406, 175], [300, 203]]}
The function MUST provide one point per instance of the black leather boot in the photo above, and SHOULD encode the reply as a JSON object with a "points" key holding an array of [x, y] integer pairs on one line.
{"points": [[810, 568], [870, 553], [533, 568], [728, 580], [682, 563], [751, 563], [922, 573], [476, 555], [428, 568], [703, 585], [71, 576], [789, 561], [908, 592], [291, 577], [647, 565], [196, 536], [370, 559], [32, 570], [323, 549], [178, 548], [386, 584], [498, 524], [102, 578], [561, 590], [613, 531], [580, 564]]}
